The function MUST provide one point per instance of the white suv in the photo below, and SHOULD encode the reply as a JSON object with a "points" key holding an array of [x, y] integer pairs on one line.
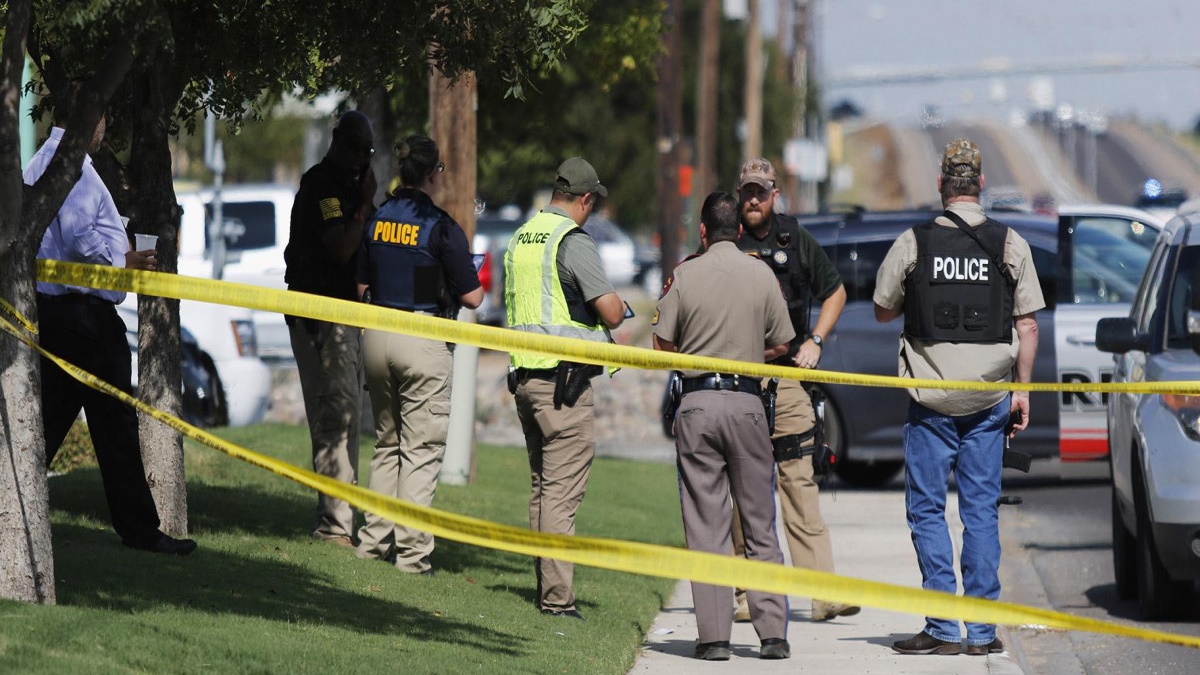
{"points": [[1154, 440], [258, 218]]}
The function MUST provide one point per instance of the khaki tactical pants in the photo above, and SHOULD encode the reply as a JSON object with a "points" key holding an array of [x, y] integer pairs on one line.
{"points": [[409, 381], [329, 361]]}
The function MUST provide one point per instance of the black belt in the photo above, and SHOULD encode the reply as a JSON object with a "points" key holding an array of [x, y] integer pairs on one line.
{"points": [[719, 382], [537, 373], [74, 299]]}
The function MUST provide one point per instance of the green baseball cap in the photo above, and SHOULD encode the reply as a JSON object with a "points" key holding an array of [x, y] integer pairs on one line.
{"points": [[577, 177]]}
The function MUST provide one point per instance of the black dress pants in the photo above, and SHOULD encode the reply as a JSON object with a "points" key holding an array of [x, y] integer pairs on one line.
{"points": [[86, 331]]}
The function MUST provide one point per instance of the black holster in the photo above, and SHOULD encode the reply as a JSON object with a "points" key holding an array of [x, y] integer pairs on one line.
{"points": [[570, 382], [811, 442], [1011, 459], [674, 396], [1016, 460], [769, 394]]}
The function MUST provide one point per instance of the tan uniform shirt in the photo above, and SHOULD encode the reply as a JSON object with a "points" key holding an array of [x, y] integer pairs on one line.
{"points": [[724, 304], [972, 362]]}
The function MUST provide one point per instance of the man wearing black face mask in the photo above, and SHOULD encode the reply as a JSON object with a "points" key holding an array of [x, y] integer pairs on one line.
{"points": [[803, 270], [331, 208]]}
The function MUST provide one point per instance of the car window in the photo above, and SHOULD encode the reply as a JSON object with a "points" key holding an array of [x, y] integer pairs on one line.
{"points": [[1045, 264], [1124, 229], [1105, 269], [251, 225], [858, 263], [1180, 299], [1143, 307], [1152, 296]]}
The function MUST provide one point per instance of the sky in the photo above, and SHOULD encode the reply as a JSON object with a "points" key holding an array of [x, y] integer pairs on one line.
{"points": [[944, 33]]}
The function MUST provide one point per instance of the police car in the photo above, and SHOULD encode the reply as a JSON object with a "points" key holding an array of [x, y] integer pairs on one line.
{"points": [[1155, 439], [1089, 261]]}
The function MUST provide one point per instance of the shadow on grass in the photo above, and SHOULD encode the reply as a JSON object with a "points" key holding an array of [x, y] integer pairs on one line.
{"points": [[210, 507], [266, 513], [93, 570]]}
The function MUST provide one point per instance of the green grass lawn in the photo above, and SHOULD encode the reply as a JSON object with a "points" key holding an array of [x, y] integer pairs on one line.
{"points": [[260, 596]]}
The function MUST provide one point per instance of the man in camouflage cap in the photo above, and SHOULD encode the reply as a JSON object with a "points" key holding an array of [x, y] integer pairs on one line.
{"points": [[961, 160], [805, 273], [967, 289]]}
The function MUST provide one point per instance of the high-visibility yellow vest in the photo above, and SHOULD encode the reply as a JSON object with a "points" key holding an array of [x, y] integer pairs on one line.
{"points": [[533, 295]]}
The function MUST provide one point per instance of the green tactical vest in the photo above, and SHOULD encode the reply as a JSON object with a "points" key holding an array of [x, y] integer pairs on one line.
{"points": [[533, 294]]}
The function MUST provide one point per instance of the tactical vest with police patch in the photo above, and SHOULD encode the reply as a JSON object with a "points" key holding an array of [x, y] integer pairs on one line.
{"points": [[781, 250], [405, 274], [955, 293]]}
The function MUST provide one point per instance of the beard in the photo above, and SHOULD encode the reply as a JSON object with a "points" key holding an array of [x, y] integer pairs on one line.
{"points": [[754, 218]]}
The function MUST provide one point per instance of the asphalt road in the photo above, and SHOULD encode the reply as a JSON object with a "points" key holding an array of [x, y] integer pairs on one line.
{"points": [[1058, 545]]}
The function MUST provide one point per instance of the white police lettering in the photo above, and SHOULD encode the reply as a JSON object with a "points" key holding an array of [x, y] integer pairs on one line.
{"points": [[960, 269]]}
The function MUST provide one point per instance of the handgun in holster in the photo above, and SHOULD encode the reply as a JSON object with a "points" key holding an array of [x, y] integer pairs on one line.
{"points": [[769, 394], [674, 396], [571, 380], [811, 442]]}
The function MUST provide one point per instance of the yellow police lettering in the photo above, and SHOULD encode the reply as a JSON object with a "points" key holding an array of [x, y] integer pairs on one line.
{"points": [[397, 233]]}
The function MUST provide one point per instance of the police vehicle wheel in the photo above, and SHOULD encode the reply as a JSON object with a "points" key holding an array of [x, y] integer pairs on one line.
{"points": [[854, 473], [1124, 551], [1159, 597], [218, 412]]}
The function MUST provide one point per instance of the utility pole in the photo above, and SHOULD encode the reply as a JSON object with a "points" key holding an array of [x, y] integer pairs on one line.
{"points": [[706, 94], [752, 93], [670, 114], [802, 200], [452, 113]]}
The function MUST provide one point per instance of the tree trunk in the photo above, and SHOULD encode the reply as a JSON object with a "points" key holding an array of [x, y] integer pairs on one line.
{"points": [[706, 100], [26, 556], [752, 87], [452, 106], [670, 129], [160, 379]]}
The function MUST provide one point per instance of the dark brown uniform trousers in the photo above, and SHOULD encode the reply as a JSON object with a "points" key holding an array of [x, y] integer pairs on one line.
{"points": [[722, 444]]}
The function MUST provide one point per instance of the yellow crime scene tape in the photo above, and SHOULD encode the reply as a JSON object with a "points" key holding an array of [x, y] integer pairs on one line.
{"points": [[623, 556], [505, 340]]}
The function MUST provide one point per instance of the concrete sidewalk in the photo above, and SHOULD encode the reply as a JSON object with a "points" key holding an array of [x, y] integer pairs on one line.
{"points": [[870, 541]]}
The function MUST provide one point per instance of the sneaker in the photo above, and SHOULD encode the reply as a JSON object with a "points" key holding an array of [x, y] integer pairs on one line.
{"points": [[924, 643], [742, 613], [713, 651], [824, 611], [993, 647], [775, 648]]}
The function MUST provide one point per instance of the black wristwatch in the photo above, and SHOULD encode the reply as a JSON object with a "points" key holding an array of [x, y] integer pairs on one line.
{"points": [[818, 340]]}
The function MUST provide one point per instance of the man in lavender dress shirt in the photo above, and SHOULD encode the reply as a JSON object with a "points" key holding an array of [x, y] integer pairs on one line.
{"points": [[81, 325]]}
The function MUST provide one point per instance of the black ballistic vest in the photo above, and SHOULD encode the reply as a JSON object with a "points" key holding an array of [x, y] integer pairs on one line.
{"points": [[955, 293], [781, 250]]}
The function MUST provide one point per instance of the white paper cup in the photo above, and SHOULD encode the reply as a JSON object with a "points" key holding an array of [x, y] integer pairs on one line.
{"points": [[145, 242]]}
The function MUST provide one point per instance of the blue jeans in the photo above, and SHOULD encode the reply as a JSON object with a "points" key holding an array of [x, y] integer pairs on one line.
{"points": [[971, 446]]}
